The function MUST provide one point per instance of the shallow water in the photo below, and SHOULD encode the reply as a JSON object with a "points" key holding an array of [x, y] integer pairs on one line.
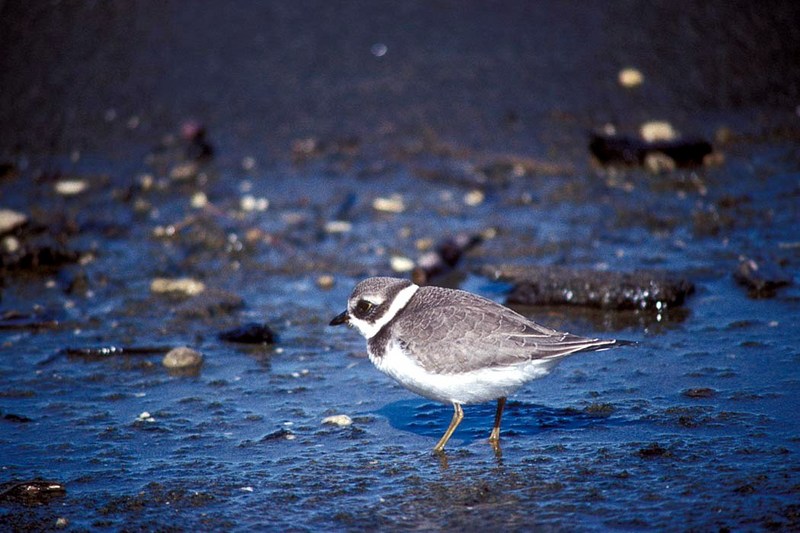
{"points": [[694, 427]]}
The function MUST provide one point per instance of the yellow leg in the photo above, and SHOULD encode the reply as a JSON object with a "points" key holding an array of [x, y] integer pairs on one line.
{"points": [[494, 438], [458, 415]]}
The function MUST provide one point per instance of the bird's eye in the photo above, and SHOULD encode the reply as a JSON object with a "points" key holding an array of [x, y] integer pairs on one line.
{"points": [[363, 307]]}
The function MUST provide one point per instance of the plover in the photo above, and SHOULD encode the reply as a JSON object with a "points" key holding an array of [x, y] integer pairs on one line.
{"points": [[453, 346]]}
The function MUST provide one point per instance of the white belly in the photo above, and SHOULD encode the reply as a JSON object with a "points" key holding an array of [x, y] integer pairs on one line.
{"points": [[477, 386]]}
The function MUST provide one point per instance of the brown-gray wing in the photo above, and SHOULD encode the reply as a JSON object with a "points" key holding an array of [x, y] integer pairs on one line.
{"points": [[455, 331]]}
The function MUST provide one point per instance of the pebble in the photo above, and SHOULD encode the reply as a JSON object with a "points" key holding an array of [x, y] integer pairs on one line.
{"points": [[657, 130], [184, 171], [145, 417], [474, 197], [251, 203], [401, 264], [71, 187], [658, 163], [338, 226], [187, 286], [11, 245], [182, 357], [338, 420], [392, 204], [10, 220], [325, 281], [630, 77], [199, 200]]}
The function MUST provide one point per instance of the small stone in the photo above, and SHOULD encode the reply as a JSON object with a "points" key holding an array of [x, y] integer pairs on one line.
{"points": [[657, 130], [630, 77], [474, 197], [187, 286], [184, 171], [325, 281], [145, 417], [71, 187], [10, 220], [62, 522], [393, 204], [338, 420], [249, 163], [251, 203], [338, 226], [658, 162], [199, 200], [401, 264], [182, 357], [11, 245]]}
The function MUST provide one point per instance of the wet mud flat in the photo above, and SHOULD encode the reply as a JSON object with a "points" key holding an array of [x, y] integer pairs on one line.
{"points": [[165, 361]]}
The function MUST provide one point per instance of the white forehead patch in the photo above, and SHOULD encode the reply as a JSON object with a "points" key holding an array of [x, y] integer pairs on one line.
{"points": [[402, 298]]}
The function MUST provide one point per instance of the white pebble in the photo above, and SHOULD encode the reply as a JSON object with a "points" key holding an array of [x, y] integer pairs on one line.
{"points": [[338, 420], [10, 220], [199, 200], [71, 187], [393, 204], [182, 357], [338, 226], [251, 203], [401, 264], [630, 77], [474, 197], [187, 286], [657, 130]]}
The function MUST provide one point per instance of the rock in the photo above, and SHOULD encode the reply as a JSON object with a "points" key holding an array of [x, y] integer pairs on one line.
{"points": [[251, 333], [182, 357], [761, 278], [536, 285], [619, 149], [33, 492], [338, 420], [10, 220], [188, 286]]}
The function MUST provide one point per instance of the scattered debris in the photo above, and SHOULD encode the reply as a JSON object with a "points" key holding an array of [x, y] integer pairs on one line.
{"points": [[555, 285]]}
